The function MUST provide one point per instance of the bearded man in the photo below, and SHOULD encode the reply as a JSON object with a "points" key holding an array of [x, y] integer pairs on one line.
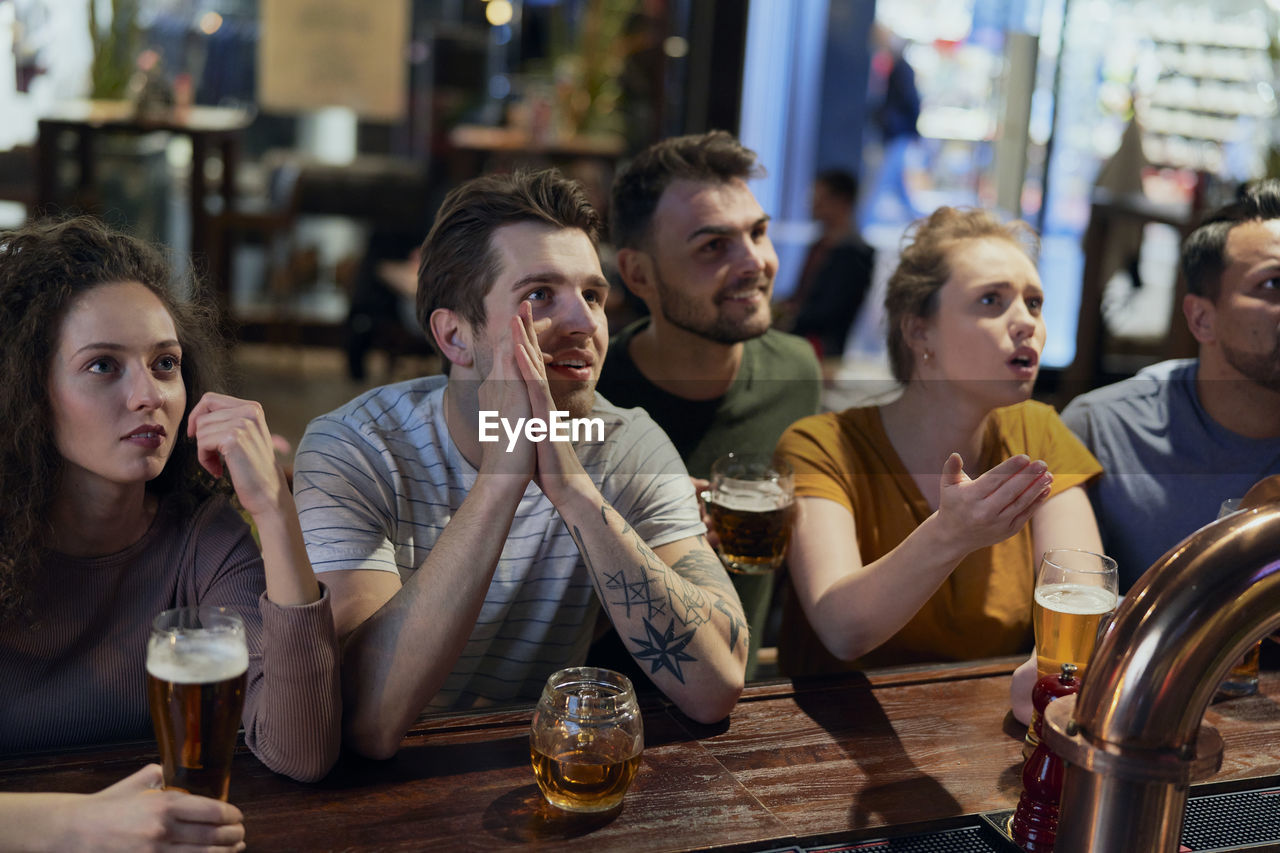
{"points": [[693, 244]]}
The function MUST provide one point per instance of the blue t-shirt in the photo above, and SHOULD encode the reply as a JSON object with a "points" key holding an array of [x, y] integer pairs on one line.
{"points": [[1167, 466]]}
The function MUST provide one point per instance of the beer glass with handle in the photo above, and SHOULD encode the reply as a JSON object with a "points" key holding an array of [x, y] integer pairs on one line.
{"points": [[586, 738], [1075, 591], [750, 503], [197, 665]]}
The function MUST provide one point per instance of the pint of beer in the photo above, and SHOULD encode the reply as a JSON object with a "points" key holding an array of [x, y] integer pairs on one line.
{"points": [[197, 664], [586, 739], [1075, 592], [750, 503]]}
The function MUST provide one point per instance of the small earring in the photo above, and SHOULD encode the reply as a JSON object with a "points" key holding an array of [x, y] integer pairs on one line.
{"points": [[928, 355]]}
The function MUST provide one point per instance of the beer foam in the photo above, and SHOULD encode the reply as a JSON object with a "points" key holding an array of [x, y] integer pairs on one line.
{"points": [[1076, 598], [197, 660], [761, 497]]}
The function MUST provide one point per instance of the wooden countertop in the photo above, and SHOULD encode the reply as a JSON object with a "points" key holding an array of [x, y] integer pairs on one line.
{"points": [[826, 757]]}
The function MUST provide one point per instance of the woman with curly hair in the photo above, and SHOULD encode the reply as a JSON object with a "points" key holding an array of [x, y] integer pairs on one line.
{"points": [[920, 522], [113, 507]]}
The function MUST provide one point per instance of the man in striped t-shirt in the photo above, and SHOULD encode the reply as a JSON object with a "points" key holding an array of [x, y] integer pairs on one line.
{"points": [[464, 571]]}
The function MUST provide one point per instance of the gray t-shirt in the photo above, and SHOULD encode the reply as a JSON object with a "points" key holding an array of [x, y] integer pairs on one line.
{"points": [[377, 480], [1167, 465]]}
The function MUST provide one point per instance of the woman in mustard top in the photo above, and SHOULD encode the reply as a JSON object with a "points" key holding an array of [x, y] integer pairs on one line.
{"points": [[919, 523]]}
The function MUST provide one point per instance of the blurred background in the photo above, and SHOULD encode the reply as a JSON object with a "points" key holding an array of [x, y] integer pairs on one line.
{"points": [[297, 149]]}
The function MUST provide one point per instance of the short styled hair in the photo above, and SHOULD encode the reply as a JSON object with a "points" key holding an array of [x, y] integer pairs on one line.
{"points": [[1204, 252], [45, 267], [713, 157], [925, 265], [459, 264]]}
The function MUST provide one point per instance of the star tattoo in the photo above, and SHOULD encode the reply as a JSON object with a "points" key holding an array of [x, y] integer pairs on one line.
{"points": [[665, 649]]}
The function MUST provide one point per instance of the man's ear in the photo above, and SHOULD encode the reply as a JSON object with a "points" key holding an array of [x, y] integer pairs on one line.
{"points": [[453, 336], [1200, 315], [636, 268]]}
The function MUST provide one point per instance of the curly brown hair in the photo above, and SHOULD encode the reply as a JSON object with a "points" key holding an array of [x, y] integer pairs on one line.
{"points": [[45, 267], [925, 265]]}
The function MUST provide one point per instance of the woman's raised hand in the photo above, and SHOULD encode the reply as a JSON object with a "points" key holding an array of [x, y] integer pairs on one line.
{"points": [[993, 507], [231, 434]]}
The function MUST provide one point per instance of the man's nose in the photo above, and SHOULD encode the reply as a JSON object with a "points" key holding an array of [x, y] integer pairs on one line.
{"points": [[578, 316], [755, 256]]}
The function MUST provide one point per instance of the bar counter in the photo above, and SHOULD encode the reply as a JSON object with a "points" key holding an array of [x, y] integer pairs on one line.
{"points": [[840, 758]]}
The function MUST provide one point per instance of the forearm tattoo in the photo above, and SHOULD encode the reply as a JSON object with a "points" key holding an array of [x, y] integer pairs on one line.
{"points": [[705, 570], [736, 622], [667, 599]]}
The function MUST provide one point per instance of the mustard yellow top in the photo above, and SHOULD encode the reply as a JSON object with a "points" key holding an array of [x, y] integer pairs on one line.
{"points": [[984, 607]]}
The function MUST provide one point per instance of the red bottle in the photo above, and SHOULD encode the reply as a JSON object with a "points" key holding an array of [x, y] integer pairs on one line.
{"points": [[1035, 823]]}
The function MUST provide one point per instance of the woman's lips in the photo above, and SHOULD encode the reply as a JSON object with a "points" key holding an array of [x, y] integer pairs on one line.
{"points": [[148, 437]]}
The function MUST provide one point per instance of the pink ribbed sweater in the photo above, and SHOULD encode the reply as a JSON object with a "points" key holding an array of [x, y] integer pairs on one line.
{"points": [[78, 674]]}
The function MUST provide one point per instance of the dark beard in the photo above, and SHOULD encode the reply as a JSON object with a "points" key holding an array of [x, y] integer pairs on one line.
{"points": [[1263, 370], [721, 330]]}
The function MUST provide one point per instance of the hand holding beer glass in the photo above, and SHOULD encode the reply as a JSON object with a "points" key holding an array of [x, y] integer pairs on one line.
{"points": [[1075, 592], [750, 503], [586, 739], [197, 666]]}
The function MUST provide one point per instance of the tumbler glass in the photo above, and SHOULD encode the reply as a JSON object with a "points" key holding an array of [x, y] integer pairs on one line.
{"points": [[586, 739]]}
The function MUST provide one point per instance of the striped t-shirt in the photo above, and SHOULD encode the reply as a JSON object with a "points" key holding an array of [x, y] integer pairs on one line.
{"points": [[377, 480]]}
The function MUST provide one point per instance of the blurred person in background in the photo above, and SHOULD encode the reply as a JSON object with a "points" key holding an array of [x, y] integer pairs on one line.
{"points": [[894, 117], [837, 270]]}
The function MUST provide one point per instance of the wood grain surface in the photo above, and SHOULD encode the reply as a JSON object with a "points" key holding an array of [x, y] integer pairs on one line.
{"points": [[823, 758]]}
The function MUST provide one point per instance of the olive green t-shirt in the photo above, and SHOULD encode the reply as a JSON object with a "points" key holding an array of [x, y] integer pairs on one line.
{"points": [[778, 382]]}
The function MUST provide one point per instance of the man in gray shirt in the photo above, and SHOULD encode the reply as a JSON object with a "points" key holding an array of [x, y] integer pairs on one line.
{"points": [[1182, 436], [466, 563]]}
